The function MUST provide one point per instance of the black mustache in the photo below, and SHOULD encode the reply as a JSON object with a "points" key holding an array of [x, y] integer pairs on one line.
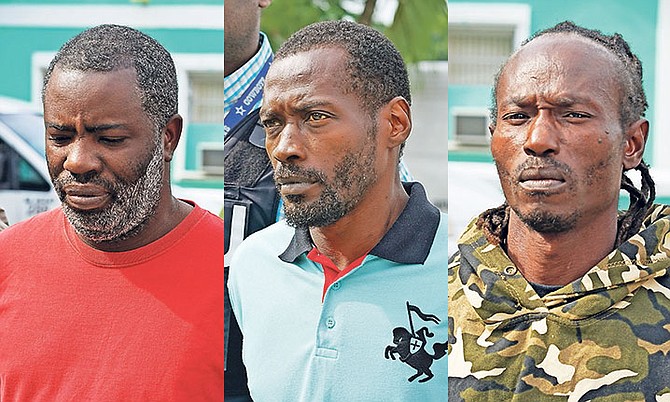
{"points": [[283, 171], [542, 163]]}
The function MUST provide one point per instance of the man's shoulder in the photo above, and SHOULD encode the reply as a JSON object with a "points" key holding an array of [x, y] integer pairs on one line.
{"points": [[200, 227], [656, 213], [42, 223], [273, 239], [257, 256], [263, 246], [39, 237], [472, 238], [439, 248]]}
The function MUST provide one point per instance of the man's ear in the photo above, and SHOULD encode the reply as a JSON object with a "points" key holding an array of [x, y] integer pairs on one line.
{"points": [[171, 136], [636, 138], [398, 116]]}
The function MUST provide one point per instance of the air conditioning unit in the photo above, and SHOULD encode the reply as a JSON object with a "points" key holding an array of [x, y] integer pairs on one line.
{"points": [[210, 157], [472, 127]]}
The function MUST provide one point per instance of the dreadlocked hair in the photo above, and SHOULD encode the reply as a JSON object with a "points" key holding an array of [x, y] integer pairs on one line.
{"points": [[629, 222], [494, 224], [494, 221]]}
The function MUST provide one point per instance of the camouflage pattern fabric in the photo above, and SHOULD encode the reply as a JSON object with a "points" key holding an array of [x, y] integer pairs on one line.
{"points": [[604, 337], [3, 219]]}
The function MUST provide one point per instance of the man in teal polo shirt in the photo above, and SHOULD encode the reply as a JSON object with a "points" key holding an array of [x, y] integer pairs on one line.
{"points": [[346, 299]]}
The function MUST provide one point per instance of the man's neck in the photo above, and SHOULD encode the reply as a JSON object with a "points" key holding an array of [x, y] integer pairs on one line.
{"points": [[558, 259], [236, 56], [169, 213], [361, 229]]}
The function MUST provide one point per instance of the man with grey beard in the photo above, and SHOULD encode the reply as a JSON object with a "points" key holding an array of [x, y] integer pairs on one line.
{"points": [[117, 294]]}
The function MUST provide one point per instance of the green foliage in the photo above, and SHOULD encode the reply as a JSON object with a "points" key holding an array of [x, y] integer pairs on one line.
{"points": [[419, 30], [284, 17], [419, 27]]}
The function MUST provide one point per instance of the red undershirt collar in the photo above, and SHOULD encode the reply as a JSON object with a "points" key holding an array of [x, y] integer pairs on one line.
{"points": [[330, 271]]}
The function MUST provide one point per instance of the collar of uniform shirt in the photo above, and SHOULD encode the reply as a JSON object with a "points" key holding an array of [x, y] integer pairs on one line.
{"points": [[237, 82]]}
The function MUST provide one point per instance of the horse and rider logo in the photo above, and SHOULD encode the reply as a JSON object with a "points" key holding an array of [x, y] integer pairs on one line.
{"points": [[410, 345]]}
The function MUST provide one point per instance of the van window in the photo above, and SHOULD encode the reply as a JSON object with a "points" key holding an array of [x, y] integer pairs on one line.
{"points": [[29, 179], [17, 174]]}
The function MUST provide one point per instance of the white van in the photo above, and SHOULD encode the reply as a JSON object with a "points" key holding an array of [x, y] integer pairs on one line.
{"points": [[25, 187]]}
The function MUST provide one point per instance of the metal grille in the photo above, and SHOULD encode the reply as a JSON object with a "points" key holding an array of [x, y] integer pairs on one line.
{"points": [[206, 97], [476, 52]]}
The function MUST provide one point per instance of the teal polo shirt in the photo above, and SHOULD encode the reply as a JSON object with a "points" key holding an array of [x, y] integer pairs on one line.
{"points": [[379, 333]]}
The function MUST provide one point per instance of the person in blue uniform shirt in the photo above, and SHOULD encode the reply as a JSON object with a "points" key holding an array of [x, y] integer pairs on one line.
{"points": [[251, 200], [346, 298]]}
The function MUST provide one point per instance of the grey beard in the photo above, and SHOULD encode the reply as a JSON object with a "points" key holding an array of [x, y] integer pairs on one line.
{"points": [[132, 205]]}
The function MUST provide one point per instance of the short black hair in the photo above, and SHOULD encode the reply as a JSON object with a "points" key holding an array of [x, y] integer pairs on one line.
{"points": [[114, 47], [633, 102], [377, 72]]}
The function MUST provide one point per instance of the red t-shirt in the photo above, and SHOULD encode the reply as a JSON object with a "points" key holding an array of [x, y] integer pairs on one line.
{"points": [[79, 324]]}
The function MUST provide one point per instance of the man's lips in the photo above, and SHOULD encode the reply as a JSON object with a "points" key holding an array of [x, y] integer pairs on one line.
{"points": [[294, 184], [541, 179], [85, 196]]}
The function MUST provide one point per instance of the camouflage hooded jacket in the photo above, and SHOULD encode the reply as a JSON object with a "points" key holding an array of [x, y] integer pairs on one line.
{"points": [[604, 337]]}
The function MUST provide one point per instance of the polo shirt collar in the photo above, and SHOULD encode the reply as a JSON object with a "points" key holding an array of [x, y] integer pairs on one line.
{"points": [[416, 226]]}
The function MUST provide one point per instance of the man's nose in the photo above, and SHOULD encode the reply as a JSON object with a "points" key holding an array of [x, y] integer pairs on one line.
{"points": [[82, 157], [288, 146], [543, 136]]}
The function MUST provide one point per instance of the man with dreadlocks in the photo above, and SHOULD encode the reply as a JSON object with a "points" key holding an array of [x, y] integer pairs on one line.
{"points": [[555, 292]]}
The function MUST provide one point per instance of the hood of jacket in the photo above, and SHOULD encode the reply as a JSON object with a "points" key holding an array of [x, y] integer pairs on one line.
{"points": [[500, 295]]}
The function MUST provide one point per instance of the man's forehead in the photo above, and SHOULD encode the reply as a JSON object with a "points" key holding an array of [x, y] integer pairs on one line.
{"points": [[564, 46], [308, 78], [67, 73], [565, 55], [310, 62]]}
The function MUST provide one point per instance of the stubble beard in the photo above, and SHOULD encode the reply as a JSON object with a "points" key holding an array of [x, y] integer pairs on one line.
{"points": [[539, 220], [548, 223], [132, 203], [353, 176]]}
